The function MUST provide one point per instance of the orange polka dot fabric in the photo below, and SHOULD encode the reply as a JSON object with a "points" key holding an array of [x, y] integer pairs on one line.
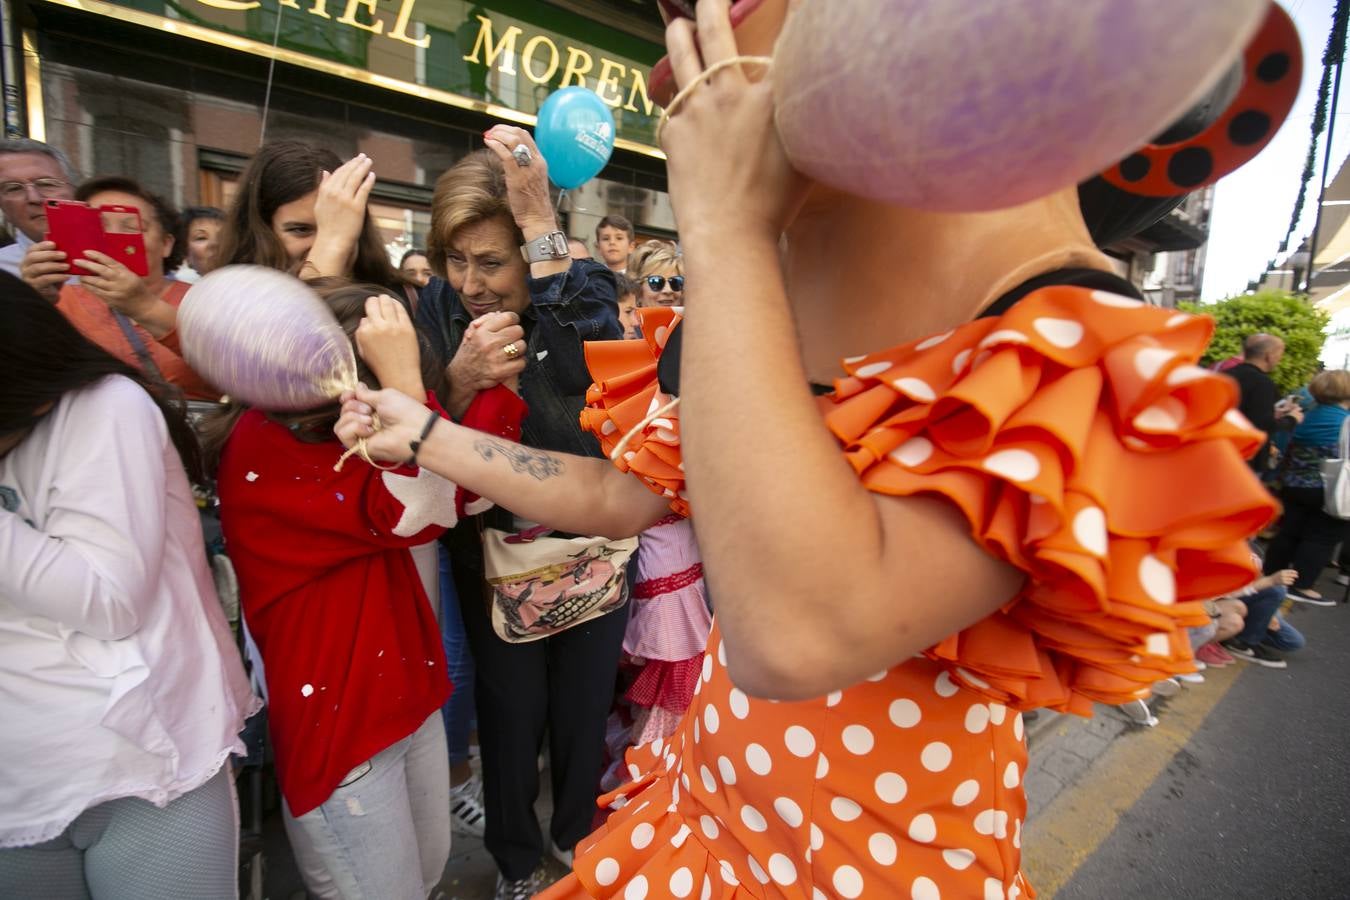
{"points": [[1085, 446]]}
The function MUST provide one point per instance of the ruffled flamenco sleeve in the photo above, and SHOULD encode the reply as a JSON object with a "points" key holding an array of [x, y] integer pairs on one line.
{"points": [[1083, 445], [626, 402]]}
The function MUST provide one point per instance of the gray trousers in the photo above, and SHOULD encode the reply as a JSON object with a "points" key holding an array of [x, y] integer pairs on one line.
{"points": [[129, 849]]}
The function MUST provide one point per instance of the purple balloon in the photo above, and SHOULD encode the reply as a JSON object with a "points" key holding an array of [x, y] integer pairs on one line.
{"points": [[266, 339], [985, 104]]}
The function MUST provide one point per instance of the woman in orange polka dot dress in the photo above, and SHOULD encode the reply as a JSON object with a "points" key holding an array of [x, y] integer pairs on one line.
{"points": [[1018, 504]]}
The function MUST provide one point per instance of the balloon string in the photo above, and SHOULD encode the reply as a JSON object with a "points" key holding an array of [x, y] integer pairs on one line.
{"points": [[674, 106], [359, 449], [557, 210]]}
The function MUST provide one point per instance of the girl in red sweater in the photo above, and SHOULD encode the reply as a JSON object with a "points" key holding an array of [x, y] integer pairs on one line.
{"points": [[352, 653]]}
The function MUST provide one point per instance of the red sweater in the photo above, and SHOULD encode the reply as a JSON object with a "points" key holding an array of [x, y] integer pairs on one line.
{"points": [[351, 648]]}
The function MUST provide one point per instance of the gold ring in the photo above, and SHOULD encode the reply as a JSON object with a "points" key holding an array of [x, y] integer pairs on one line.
{"points": [[511, 350]]}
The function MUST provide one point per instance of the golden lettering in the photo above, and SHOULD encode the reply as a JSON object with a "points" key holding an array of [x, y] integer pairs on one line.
{"points": [[575, 55], [639, 89], [233, 5], [289, 3], [375, 26], [400, 29], [484, 43], [528, 56], [608, 79]]}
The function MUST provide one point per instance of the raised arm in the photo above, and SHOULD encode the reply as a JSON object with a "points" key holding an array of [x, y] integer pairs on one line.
{"points": [[570, 493], [818, 583]]}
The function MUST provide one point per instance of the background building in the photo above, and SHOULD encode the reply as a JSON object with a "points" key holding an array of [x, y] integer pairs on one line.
{"points": [[1166, 261], [175, 93]]}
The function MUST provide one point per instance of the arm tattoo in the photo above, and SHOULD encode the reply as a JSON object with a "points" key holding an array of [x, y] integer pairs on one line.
{"points": [[536, 463]]}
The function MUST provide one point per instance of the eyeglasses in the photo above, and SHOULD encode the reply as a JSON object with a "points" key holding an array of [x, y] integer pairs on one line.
{"points": [[46, 187], [658, 282]]}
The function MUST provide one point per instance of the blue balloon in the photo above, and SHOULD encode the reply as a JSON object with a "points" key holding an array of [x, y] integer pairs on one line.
{"points": [[575, 132]]}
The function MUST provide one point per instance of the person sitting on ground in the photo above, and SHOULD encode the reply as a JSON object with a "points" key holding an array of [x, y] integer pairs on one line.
{"points": [[658, 270], [134, 318], [1308, 535], [31, 173], [614, 239], [1263, 634], [199, 235]]}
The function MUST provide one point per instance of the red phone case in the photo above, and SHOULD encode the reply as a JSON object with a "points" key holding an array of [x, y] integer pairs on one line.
{"points": [[76, 227]]}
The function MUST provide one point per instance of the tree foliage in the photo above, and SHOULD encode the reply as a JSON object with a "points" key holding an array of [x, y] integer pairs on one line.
{"points": [[1285, 315]]}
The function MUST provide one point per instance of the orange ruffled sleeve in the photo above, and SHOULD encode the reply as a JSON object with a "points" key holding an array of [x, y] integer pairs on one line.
{"points": [[1083, 445], [624, 393]]}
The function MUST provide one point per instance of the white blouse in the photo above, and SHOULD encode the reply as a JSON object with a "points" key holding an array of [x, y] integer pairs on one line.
{"points": [[118, 673]]}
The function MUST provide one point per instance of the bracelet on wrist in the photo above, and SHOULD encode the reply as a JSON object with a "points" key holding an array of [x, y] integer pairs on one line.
{"points": [[416, 445]]}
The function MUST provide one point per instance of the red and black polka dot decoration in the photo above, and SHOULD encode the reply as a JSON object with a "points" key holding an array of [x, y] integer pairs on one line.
{"points": [[1272, 70]]}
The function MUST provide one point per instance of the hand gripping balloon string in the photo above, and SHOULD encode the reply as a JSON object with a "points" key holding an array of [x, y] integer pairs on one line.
{"points": [[359, 449], [632, 432], [674, 106]]}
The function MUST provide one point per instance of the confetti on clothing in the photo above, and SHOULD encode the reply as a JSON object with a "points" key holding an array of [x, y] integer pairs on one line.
{"points": [[1083, 445]]}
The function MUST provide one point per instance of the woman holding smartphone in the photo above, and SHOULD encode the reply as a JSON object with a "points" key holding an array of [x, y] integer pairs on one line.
{"points": [[133, 317]]}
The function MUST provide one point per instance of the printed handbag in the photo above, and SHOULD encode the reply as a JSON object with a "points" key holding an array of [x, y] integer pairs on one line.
{"points": [[543, 585], [1336, 477]]}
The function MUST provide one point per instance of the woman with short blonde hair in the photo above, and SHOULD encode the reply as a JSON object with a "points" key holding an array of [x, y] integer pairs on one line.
{"points": [[658, 269]]}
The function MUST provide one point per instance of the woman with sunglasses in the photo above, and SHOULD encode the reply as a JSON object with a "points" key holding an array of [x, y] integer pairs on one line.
{"points": [[659, 272]]}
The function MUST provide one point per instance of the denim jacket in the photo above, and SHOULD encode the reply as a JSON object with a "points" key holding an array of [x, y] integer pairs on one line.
{"points": [[565, 310]]}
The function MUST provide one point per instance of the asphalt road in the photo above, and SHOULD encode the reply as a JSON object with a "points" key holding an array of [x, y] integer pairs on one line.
{"points": [[1257, 802]]}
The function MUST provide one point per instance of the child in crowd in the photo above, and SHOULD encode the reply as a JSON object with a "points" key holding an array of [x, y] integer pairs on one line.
{"points": [[627, 291], [343, 615]]}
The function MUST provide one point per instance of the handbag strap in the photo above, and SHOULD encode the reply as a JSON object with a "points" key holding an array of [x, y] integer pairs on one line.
{"points": [[138, 346], [1343, 444]]}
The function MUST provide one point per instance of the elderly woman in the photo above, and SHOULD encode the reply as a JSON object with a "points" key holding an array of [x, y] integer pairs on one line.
{"points": [[1308, 535], [509, 306], [658, 269]]}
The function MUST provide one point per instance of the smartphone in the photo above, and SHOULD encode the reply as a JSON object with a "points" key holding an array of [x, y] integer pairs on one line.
{"points": [[113, 229]]}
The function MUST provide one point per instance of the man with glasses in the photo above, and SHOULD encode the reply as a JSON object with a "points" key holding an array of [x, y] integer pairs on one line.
{"points": [[31, 173]]}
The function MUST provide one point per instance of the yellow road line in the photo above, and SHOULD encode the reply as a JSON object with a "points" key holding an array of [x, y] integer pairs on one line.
{"points": [[1071, 828]]}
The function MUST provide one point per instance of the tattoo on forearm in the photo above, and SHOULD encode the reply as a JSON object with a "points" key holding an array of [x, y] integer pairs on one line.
{"points": [[535, 463]]}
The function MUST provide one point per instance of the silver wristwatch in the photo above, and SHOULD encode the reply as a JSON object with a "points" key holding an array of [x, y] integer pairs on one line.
{"points": [[542, 249]]}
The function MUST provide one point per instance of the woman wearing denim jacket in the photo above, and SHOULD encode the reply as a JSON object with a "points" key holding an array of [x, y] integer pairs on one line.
{"points": [[495, 319], [1307, 535]]}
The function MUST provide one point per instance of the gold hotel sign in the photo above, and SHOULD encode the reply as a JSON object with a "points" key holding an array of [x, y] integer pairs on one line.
{"points": [[499, 57]]}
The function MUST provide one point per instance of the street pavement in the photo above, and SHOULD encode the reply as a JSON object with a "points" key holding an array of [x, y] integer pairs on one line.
{"points": [[1241, 791]]}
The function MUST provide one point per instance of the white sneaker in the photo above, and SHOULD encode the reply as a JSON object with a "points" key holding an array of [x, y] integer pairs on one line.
{"points": [[563, 856], [1190, 678], [1137, 711], [467, 814], [1168, 687]]}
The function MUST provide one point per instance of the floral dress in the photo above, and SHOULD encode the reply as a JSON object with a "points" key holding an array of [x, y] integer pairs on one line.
{"points": [[1083, 445]]}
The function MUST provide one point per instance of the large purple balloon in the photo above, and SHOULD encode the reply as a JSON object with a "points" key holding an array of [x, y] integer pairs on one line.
{"points": [[265, 339], [985, 104]]}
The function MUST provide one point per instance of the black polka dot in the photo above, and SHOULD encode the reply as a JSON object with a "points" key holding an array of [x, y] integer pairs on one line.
{"points": [[1248, 127], [1135, 167], [1191, 166], [1273, 67]]}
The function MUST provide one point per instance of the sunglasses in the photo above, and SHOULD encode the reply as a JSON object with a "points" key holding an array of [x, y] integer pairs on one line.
{"points": [[658, 282]]}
